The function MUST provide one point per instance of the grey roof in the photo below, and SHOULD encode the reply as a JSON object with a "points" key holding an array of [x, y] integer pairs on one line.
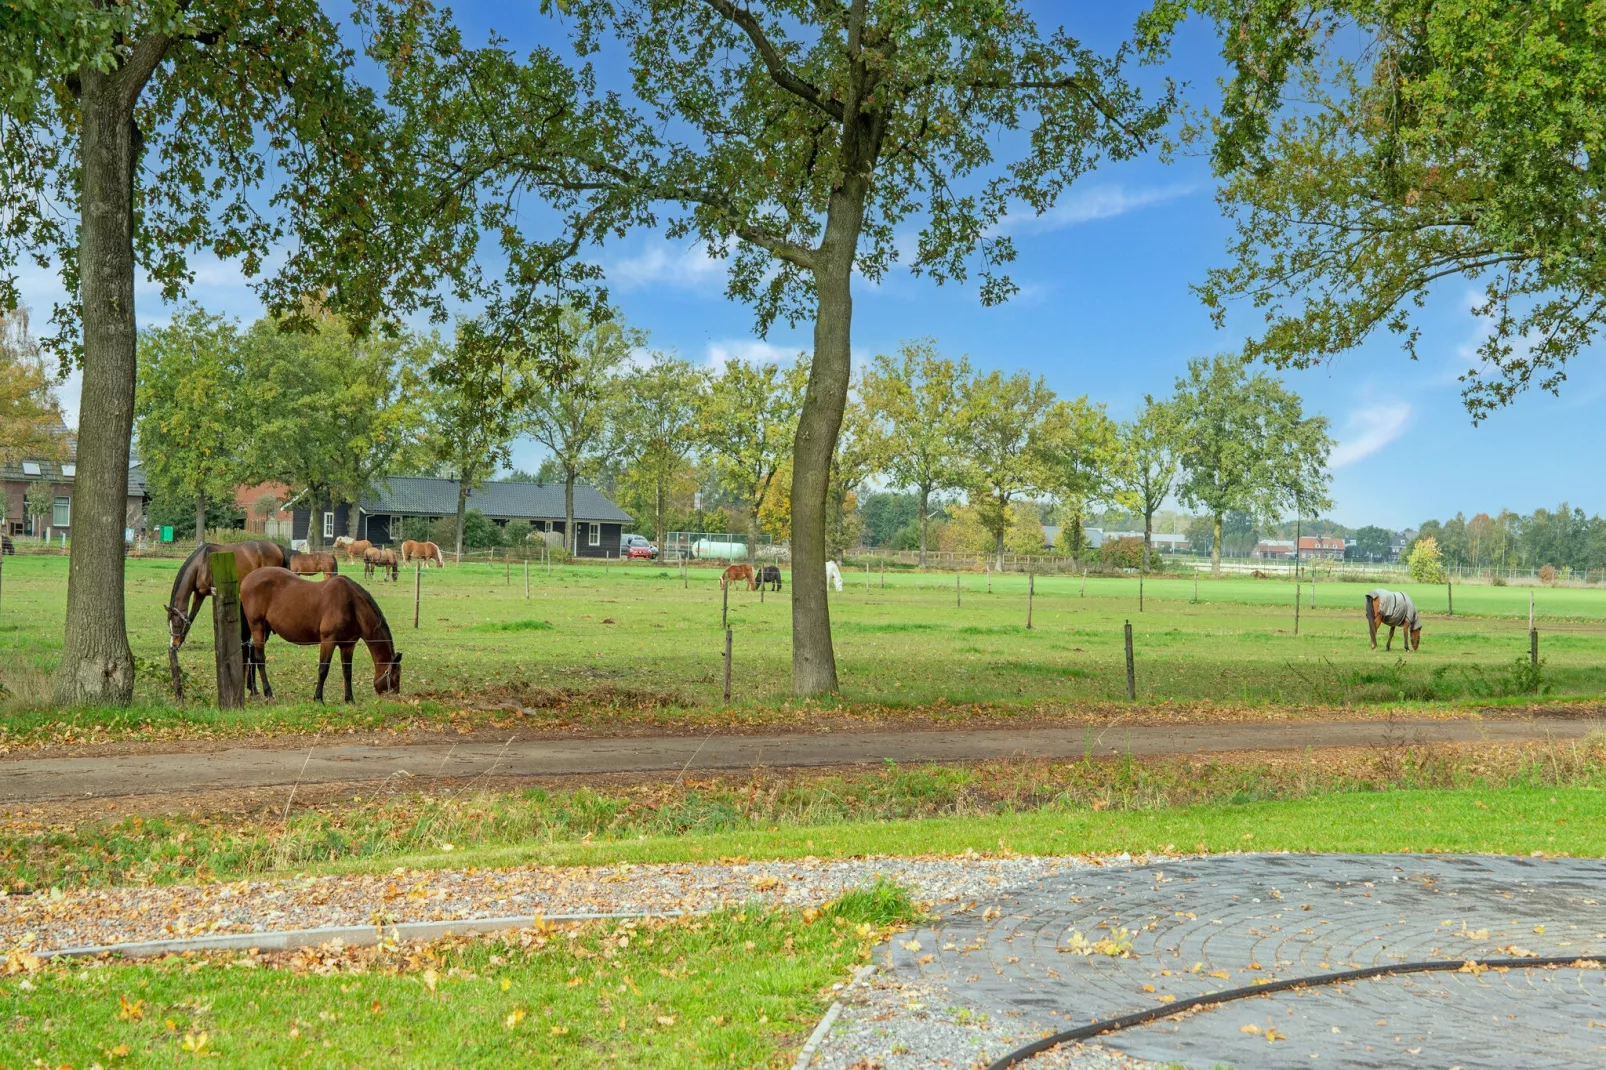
{"points": [[512, 501], [51, 472]]}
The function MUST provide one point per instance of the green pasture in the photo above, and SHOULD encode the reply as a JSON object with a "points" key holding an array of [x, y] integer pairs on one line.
{"points": [[639, 637]]}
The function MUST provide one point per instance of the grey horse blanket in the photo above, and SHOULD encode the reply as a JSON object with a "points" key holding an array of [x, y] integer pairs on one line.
{"points": [[1395, 608]]}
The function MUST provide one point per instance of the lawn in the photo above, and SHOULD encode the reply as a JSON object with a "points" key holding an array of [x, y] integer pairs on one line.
{"points": [[640, 641], [738, 989]]}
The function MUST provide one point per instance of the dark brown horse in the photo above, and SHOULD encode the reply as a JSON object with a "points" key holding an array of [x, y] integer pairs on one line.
{"points": [[194, 583], [334, 613], [383, 560]]}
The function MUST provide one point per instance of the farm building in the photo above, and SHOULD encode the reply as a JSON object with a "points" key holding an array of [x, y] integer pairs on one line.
{"points": [[381, 517], [1311, 547], [58, 475]]}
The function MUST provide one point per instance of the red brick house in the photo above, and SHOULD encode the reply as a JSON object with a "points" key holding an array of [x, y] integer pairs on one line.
{"points": [[59, 475]]}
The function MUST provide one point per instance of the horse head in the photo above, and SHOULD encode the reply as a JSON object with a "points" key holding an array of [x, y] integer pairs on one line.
{"points": [[178, 626], [1416, 638], [387, 676]]}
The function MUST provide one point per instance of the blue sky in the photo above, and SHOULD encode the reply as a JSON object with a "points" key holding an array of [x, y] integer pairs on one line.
{"points": [[1106, 310]]}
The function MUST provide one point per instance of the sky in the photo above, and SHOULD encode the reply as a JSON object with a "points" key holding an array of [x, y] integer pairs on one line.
{"points": [[1106, 310]]}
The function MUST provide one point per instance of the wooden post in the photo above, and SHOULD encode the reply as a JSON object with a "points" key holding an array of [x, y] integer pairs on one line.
{"points": [[1533, 647], [1296, 607], [1131, 675], [1140, 591], [727, 666], [1084, 584], [958, 599], [1449, 595], [226, 631], [418, 590], [1031, 589], [867, 575], [989, 579], [1196, 588], [883, 573], [685, 575], [507, 569], [724, 603], [1313, 588], [1530, 610], [526, 580], [761, 594]]}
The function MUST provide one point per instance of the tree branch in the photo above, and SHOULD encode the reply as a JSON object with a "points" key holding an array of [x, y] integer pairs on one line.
{"points": [[783, 75], [139, 67]]}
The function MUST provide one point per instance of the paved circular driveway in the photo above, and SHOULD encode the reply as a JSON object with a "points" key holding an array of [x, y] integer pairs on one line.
{"points": [[1032, 960]]}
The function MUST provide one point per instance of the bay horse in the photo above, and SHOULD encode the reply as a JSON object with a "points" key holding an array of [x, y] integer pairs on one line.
{"points": [[334, 613], [383, 560], [737, 573], [306, 564], [193, 584]]}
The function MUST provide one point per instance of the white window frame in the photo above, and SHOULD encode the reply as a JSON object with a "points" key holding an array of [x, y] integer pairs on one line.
{"points": [[70, 471], [31, 468], [61, 505], [328, 525], [594, 535]]}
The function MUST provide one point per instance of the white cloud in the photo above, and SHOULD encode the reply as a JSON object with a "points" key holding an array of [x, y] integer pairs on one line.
{"points": [[1368, 430], [748, 349], [682, 266], [1087, 205]]}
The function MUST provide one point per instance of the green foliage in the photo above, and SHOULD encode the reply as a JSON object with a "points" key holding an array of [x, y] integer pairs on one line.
{"points": [[653, 437], [883, 903], [480, 532], [1425, 563], [1372, 543], [1004, 428], [1358, 186], [746, 423], [1146, 468], [1244, 443], [516, 532], [417, 528], [888, 516], [1128, 553]]}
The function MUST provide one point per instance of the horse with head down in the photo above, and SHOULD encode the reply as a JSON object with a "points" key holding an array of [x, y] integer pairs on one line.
{"points": [[334, 614], [738, 573], [193, 584]]}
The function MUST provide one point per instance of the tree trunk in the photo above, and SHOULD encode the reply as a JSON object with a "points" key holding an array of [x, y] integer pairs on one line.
{"points": [[353, 520], [1215, 547], [314, 519], [96, 666], [819, 423], [660, 535], [200, 517], [998, 548], [925, 510], [570, 535], [462, 510], [1148, 539]]}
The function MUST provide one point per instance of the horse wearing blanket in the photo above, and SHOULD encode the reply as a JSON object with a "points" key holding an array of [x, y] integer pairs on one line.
{"points": [[1395, 609]]}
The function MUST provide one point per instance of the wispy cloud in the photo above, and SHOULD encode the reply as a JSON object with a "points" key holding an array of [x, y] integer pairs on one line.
{"points": [[1087, 205], [664, 263], [752, 350], [1369, 429]]}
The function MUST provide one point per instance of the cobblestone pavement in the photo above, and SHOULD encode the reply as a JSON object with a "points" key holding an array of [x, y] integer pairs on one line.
{"points": [[1032, 960]]}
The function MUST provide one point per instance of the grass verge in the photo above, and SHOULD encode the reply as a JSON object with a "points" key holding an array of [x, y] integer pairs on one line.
{"points": [[1074, 806], [737, 988]]}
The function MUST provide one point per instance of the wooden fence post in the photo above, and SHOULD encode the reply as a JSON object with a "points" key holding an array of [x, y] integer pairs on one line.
{"points": [[507, 569], [958, 600], [1084, 584], [724, 603], [989, 579], [1131, 675], [226, 631], [418, 590], [1031, 590], [1196, 588], [727, 666], [1449, 595], [526, 579], [1140, 591], [1296, 607], [883, 573]]}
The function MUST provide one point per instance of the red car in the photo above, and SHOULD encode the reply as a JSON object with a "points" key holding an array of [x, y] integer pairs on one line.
{"points": [[637, 546]]}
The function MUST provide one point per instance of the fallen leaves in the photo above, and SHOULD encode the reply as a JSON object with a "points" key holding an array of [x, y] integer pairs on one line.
{"points": [[1116, 945], [514, 1018]]}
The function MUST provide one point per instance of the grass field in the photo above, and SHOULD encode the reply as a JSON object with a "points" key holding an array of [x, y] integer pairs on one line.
{"points": [[633, 637]]}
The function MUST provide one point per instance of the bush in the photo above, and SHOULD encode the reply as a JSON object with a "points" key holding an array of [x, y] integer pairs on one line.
{"points": [[417, 529], [480, 532], [1497, 581], [1547, 575], [517, 533], [1128, 553], [1426, 564]]}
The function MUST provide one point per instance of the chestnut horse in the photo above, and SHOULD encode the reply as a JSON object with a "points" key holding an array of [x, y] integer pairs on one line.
{"points": [[421, 551], [334, 613], [306, 564], [384, 560], [355, 548], [737, 573]]}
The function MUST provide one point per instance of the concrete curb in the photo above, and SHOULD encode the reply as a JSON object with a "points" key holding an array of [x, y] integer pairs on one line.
{"points": [[349, 935], [811, 1047]]}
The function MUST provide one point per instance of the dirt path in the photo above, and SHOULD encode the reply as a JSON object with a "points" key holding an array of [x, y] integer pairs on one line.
{"points": [[103, 776]]}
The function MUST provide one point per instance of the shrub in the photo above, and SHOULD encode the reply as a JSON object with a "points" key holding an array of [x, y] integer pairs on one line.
{"points": [[1497, 581], [417, 528], [1547, 575], [517, 532], [1426, 564], [479, 531], [1128, 553]]}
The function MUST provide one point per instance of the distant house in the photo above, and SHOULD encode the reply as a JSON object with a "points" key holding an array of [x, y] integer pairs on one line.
{"points": [[60, 475], [382, 516], [1165, 543], [273, 526], [1311, 547]]}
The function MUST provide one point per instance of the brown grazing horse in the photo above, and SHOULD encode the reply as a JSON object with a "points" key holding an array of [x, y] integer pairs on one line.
{"points": [[383, 560], [193, 584], [308, 564], [737, 573], [422, 551], [334, 613]]}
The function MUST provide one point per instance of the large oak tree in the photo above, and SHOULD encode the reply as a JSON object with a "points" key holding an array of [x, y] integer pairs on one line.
{"points": [[797, 137], [135, 135]]}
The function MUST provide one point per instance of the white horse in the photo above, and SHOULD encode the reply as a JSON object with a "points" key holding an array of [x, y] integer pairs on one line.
{"points": [[833, 574]]}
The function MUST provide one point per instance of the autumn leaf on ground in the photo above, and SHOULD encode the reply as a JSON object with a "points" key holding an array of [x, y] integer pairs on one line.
{"points": [[765, 882], [666, 1019], [130, 1011], [194, 1042], [514, 1018], [431, 978]]}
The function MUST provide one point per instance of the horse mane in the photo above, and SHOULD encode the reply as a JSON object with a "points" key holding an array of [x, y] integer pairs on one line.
{"points": [[186, 571], [373, 607]]}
